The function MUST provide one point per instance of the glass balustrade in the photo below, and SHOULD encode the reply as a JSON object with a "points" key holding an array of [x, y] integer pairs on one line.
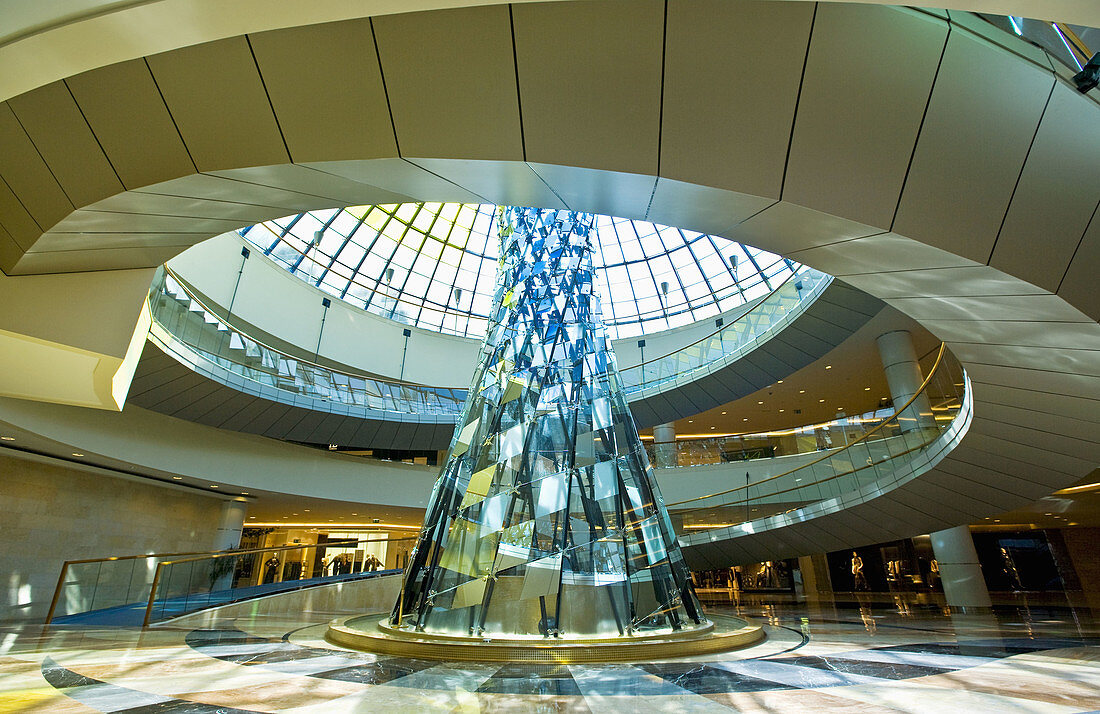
{"points": [[185, 327], [730, 342], [886, 452], [184, 585], [182, 324]]}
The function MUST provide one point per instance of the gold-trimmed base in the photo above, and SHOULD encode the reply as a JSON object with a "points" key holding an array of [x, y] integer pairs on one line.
{"points": [[375, 634]]}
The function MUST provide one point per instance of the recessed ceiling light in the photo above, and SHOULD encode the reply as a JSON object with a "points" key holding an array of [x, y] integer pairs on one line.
{"points": [[244, 493], [745, 419], [723, 412], [780, 382], [307, 510], [252, 517], [828, 366], [866, 389], [214, 485], [691, 421], [177, 478], [760, 402], [293, 514], [76, 454], [712, 427], [782, 410], [7, 438], [355, 514], [820, 401], [801, 391]]}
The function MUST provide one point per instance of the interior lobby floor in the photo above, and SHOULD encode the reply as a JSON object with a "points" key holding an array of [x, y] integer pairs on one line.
{"points": [[880, 654]]}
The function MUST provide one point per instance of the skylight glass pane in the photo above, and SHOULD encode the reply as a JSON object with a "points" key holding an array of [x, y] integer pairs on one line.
{"points": [[435, 265]]}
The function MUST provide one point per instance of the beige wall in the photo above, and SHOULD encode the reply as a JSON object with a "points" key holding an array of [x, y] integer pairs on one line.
{"points": [[51, 514]]}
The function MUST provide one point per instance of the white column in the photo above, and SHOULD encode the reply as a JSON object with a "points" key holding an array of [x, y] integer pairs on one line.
{"points": [[230, 524], [961, 574], [903, 376], [664, 445]]}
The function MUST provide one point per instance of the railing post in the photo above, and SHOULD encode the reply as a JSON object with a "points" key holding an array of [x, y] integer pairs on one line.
{"points": [[152, 595], [57, 591]]}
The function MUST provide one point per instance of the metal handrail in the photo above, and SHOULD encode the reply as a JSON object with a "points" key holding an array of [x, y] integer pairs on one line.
{"points": [[897, 413], [723, 328], [234, 553], [359, 375], [67, 563]]}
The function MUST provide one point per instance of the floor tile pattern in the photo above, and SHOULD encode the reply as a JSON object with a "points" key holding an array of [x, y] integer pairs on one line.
{"points": [[836, 659]]}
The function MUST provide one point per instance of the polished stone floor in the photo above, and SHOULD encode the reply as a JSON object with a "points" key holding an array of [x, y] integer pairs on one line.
{"points": [[876, 653]]}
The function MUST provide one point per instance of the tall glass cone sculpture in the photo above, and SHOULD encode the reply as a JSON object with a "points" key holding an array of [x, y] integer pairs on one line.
{"points": [[546, 520]]}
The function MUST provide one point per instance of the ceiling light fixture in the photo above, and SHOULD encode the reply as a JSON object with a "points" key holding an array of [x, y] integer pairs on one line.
{"points": [[828, 366], [177, 478], [76, 454], [12, 438]]}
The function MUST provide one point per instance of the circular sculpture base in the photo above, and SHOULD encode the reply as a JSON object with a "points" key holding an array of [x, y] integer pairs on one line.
{"points": [[375, 634]]}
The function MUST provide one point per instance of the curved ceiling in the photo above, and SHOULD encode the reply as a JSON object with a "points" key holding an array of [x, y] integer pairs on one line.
{"points": [[46, 40], [433, 265], [815, 147]]}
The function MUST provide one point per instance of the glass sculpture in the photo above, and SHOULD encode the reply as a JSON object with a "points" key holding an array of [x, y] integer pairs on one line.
{"points": [[546, 520]]}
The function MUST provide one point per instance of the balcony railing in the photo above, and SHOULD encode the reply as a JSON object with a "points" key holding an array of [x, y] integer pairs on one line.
{"points": [[892, 450]]}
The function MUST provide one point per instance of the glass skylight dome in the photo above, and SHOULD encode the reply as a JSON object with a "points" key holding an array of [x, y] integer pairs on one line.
{"points": [[433, 265]]}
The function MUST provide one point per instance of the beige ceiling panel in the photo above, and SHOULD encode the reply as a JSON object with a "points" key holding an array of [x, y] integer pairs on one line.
{"points": [[136, 202], [1003, 307], [590, 82], [80, 261], [785, 228], [401, 177], [1083, 429], [1079, 286], [990, 32], [732, 133], [1072, 407], [217, 99], [337, 190], [10, 252], [699, 208], [85, 221], [15, 219], [451, 80], [964, 280], [505, 183], [128, 117], [324, 83], [27, 175], [858, 113], [1039, 334], [878, 253], [606, 192], [980, 121], [1083, 362], [1056, 196], [62, 137], [67, 242], [217, 188]]}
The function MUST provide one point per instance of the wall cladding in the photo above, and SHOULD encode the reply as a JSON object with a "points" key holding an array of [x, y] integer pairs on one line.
{"points": [[52, 514]]}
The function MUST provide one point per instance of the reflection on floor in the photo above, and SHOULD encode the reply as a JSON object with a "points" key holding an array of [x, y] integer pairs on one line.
{"points": [[875, 654]]}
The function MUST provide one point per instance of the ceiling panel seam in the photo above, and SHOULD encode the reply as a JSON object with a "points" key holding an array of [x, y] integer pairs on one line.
{"points": [[1095, 212], [920, 126], [1019, 177], [797, 100], [263, 84], [385, 90]]}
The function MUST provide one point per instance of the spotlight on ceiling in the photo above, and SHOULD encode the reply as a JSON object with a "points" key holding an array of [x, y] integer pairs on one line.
{"points": [[1089, 76]]}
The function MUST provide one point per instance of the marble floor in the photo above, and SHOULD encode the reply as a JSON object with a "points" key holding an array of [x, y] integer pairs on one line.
{"points": [[878, 654]]}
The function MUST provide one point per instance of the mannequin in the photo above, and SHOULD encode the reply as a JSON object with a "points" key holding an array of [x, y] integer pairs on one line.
{"points": [[271, 569], [859, 580]]}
